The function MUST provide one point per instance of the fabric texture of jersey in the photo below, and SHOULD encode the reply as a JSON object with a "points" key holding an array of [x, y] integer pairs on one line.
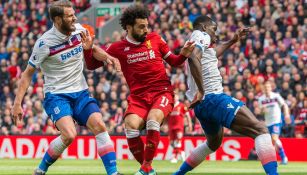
{"points": [[216, 111], [75, 104], [60, 59], [142, 63], [212, 80], [272, 108]]}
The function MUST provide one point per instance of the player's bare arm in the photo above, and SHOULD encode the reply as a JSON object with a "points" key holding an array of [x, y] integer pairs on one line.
{"points": [[287, 114], [195, 67], [98, 53], [24, 82], [101, 55], [239, 35]]}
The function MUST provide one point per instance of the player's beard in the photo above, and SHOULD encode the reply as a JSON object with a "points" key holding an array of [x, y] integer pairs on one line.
{"points": [[66, 27], [139, 38]]}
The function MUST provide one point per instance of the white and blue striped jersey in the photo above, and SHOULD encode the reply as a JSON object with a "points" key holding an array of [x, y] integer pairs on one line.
{"points": [[60, 59], [212, 79], [272, 107]]}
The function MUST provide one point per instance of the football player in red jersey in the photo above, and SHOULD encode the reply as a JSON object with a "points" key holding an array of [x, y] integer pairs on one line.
{"points": [[176, 127], [141, 55]]}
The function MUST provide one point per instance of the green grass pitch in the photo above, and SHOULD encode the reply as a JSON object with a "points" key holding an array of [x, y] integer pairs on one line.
{"points": [[128, 167]]}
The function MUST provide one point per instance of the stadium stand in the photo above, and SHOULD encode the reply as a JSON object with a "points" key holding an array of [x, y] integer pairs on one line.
{"points": [[276, 50]]}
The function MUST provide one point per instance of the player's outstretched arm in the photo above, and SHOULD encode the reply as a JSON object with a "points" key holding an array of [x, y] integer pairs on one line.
{"points": [[186, 51], [195, 68], [240, 34], [94, 56], [101, 55], [24, 82]]}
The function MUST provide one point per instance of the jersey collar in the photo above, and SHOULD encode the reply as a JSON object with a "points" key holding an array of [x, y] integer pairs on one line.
{"points": [[132, 41]]}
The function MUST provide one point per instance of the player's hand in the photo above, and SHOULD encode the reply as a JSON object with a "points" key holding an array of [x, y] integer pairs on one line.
{"points": [[288, 120], [187, 49], [87, 40], [113, 61], [197, 99], [17, 113], [241, 33]]}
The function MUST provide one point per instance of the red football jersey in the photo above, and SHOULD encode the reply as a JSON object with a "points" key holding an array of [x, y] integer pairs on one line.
{"points": [[176, 117], [142, 63]]}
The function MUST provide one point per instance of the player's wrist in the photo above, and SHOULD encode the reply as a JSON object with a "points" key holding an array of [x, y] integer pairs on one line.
{"points": [[183, 55]]}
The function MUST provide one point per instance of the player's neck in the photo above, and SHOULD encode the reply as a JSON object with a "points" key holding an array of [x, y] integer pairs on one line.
{"points": [[61, 31], [130, 39], [268, 94]]}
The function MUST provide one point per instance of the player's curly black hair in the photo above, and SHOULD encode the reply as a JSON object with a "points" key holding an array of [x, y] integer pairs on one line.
{"points": [[131, 14]]}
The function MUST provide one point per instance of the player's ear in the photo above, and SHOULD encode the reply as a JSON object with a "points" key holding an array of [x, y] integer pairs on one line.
{"points": [[204, 27], [129, 27], [58, 20]]}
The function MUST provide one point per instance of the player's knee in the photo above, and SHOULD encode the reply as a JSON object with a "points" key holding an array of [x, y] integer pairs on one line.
{"points": [[214, 145], [275, 138], [129, 124], [98, 127], [69, 136], [261, 129]]}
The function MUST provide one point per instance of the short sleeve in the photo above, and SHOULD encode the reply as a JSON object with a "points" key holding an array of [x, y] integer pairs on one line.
{"points": [[39, 53], [201, 39], [280, 100]]}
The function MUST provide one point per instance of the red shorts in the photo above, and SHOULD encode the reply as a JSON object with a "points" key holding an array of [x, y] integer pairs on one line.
{"points": [[141, 105], [175, 134]]}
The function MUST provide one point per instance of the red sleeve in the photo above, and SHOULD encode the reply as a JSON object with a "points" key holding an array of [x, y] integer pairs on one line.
{"points": [[175, 60], [90, 61], [164, 49], [168, 56]]}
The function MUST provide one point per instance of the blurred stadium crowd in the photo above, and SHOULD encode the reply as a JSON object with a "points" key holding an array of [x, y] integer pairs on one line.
{"points": [[276, 50]]}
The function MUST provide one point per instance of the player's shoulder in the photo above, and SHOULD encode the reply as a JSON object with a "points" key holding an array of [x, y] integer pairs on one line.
{"points": [[275, 94], [79, 28], [153, 35], [261, 97], [117, 45], [199, 34], [44, 40]]}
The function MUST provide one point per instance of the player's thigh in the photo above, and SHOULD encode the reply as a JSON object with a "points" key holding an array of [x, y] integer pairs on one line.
{"points": [[163, 104], [57, 106], [84, 107], [137, 109], [94, 121], [133, 121], [247, 124]]}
